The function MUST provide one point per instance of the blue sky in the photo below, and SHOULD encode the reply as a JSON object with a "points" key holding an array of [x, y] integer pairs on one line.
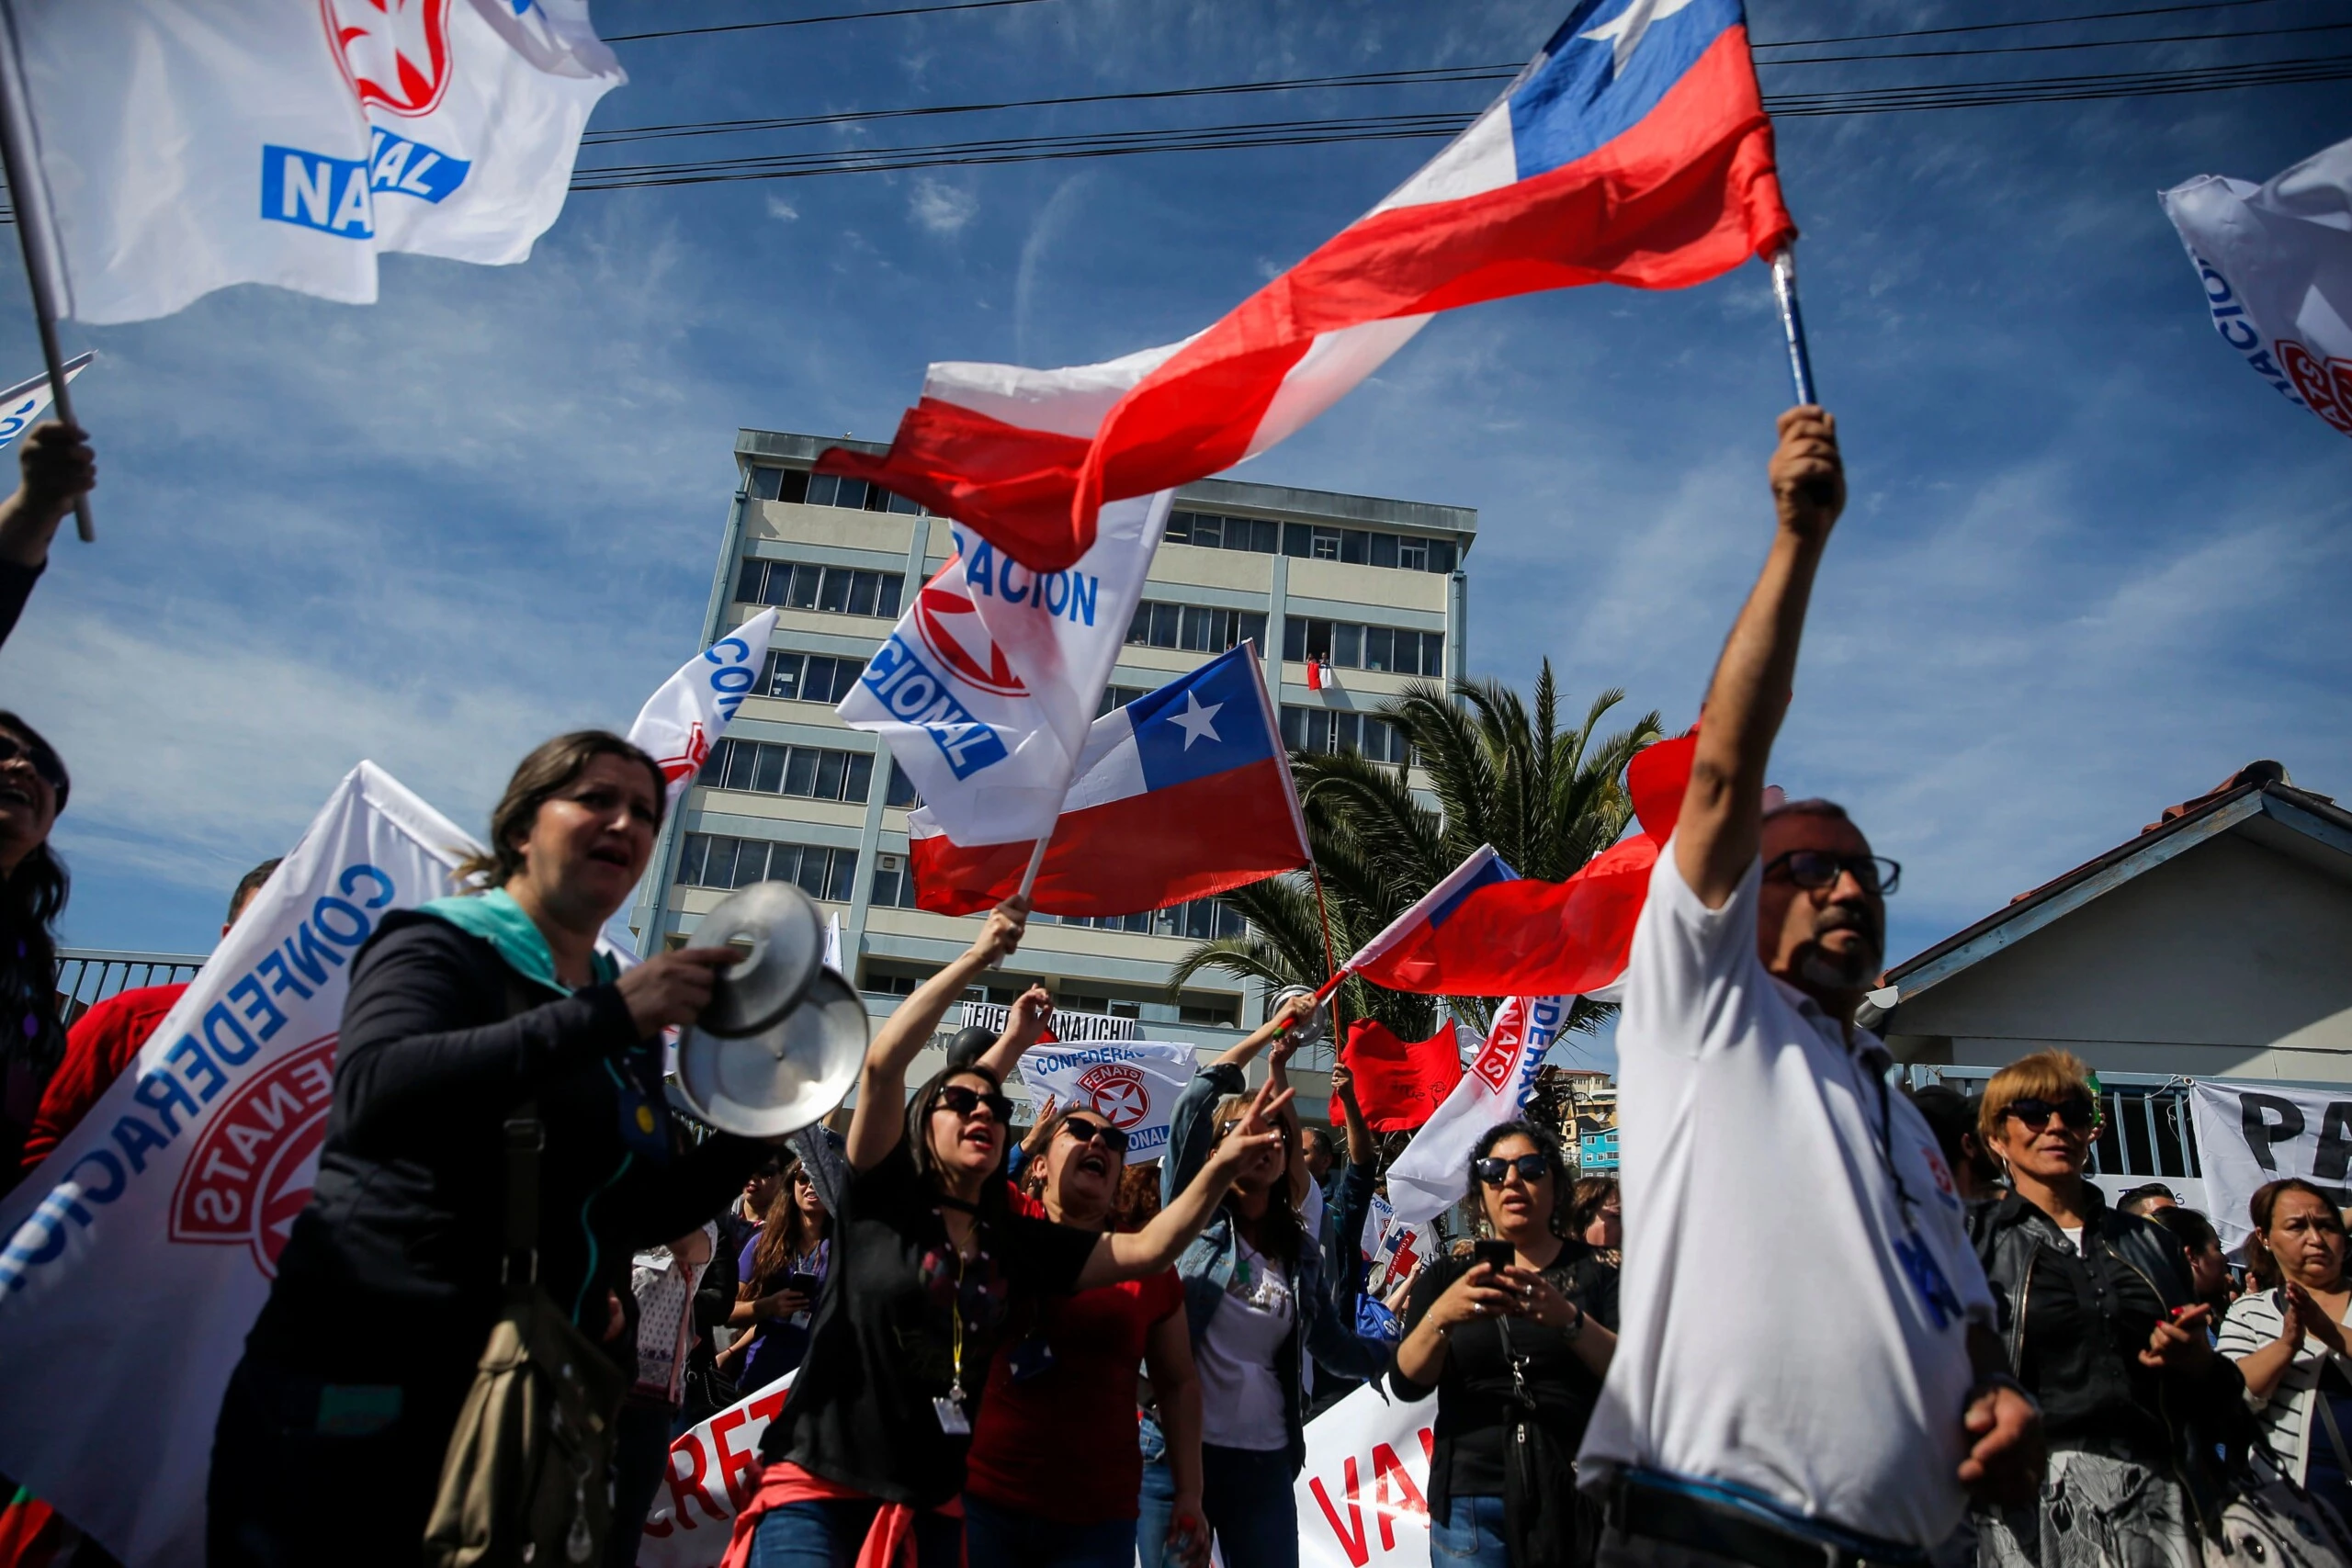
{"points": [[2092, 565]]}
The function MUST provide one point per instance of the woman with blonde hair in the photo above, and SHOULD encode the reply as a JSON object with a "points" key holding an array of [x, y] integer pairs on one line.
{"points": [[2288, 1337], [2103, 1328]]}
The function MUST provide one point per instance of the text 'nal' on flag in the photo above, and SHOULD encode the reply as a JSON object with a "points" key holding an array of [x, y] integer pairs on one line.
{"points": [[1632, 150], [1182, 793], [1399, 1082], [181, 146], [1487, 932]]}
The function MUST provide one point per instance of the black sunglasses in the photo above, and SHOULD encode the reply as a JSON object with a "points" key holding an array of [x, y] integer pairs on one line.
{"points": [[962, 1100], [44, 764], [1086, 1132], [1819, 868], [2078, 1113], [1494, 1168]]}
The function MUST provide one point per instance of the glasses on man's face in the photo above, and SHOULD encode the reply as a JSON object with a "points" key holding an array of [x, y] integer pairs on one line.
{"points": [[1494, 1170], [964, 1101], [2078, 1113], [44, 767], [1819, 868], [1086, 1132]]}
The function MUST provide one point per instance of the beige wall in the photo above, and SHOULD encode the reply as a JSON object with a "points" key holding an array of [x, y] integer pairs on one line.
{"points": [[2231, 959]]}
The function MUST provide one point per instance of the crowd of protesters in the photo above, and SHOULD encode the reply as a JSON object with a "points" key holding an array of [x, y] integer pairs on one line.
{"points": [[1037, 1354]]}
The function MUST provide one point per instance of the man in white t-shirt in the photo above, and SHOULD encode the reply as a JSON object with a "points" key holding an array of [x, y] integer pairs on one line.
{"points": [[1805, 1375]]}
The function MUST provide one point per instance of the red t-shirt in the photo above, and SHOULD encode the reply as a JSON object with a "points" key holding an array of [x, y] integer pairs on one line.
{"points": [[100, 1044], [1061, 1445]]}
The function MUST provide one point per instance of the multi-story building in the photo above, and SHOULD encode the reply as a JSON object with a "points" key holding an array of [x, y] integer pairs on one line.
{"points": [[1371, 589]]}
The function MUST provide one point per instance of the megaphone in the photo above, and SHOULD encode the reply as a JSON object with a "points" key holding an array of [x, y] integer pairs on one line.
{"points": [[783, 1037]]}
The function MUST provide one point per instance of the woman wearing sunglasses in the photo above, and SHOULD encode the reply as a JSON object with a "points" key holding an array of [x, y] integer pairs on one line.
{"points": [[779, 1273], [930, 1265], [2288, 1336], [1055, 1471], [1515, 1352], [2103, 1326], [1257, 1307], [33, 787]]}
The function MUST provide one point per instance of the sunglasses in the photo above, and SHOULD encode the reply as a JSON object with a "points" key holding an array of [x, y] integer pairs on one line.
{"points": [[956, 1097], [1086, 1132], [1494, 1168], [44, 766], [2078, 1113], [1819, 868]]}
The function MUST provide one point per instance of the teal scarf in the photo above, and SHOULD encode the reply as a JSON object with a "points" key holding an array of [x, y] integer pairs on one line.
{"points": [[499, 920]]}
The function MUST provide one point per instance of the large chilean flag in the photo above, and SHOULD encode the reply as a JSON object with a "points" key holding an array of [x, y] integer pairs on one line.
{"points": [[1181, 794], [1632, 150]]}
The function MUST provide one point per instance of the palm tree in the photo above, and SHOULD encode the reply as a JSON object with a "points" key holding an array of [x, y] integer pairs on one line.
{"points": [[1548, 798]]}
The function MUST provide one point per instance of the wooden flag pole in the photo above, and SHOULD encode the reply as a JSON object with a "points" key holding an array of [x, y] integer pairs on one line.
{"points": [[35, 237], [1784, 289]]}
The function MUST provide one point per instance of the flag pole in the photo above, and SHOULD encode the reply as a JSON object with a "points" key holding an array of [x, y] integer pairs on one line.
{"points": [[34, 236], [1036, 860], [1784, 289]]}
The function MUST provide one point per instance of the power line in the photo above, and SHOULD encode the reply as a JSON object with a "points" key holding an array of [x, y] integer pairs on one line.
{"points": [[2045, 48], [835, 16], [1995, 27]]}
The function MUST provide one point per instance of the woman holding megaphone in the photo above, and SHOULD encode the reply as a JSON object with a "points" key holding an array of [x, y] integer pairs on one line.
{"points": [[488, 1051]]}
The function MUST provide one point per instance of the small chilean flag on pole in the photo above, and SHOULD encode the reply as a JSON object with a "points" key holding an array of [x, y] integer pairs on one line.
{"points": [[1181, 794], [1634, 150]]}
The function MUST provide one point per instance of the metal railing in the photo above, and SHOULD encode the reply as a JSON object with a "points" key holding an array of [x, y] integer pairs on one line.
{"points": [[2145, 1129], [87, 975]]}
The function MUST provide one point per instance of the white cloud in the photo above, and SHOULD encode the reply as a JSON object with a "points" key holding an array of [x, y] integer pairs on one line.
{"points": [[943, 209], [781, 211]]}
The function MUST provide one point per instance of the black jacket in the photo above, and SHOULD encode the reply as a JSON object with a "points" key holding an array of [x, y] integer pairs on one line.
{"points": [[391, 1273], [2094, 1394]]}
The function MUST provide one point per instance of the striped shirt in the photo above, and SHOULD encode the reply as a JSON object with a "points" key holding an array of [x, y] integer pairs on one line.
{"points": [[2254, 1321]]}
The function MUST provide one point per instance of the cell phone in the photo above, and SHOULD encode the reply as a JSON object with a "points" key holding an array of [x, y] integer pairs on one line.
{"points": [[1497, 1255], [810, 1285]]}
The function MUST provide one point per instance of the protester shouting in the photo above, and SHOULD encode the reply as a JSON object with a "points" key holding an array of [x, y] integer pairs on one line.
{"points": [[1756, 1411], [33, 885], [1515, 1352], [459, 1014], [780, 1272], [1257, 1308], [928, 1263], [2288, 1337], [59, 468], [2103, 1328], [1054, 1474], [105, 1039]]}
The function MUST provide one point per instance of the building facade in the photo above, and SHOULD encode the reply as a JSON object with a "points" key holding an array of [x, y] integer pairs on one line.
{"points": [[1371, 589]]}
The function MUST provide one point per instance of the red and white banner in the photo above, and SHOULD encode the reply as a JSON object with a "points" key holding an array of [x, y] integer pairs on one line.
{"points": [[1432, 1173], [684, 716], [140, 1251], [714, 1469]]}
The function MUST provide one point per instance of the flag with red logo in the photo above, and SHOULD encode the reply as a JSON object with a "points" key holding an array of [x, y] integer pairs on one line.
{"points": [[681, 720], [1634, 150], [1431, 1175], [1399, 1082], [185, 145], [986, 689], [139, 1252]]}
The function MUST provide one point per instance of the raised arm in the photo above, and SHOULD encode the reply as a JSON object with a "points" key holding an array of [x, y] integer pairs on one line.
{"points": [[1362, 1149], [879, 1122], [1023, 1022], [1125, 1255], [1718, 834], [1294, 1010]]}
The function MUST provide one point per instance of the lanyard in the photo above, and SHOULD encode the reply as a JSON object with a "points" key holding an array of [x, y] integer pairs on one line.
{"points": [[1885, 1140]]}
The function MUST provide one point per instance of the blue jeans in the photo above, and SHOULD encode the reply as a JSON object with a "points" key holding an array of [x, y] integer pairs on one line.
{"points": [[997, 1537], [1153, 1510], [1471, 1532], [828, 1535], [1246, 1493]]}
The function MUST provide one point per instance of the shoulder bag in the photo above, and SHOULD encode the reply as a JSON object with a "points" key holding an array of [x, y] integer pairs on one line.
{"points": [[526, 1476]]}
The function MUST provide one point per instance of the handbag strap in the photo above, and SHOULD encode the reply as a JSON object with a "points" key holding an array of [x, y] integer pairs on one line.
{"points": [[526, 1136]]}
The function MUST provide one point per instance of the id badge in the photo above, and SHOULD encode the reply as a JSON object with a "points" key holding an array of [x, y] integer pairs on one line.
{"points": [[1034, 1357], [952, 1419]]}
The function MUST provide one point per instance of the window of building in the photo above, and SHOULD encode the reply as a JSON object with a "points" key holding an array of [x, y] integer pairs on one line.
{"points": [[1216, 1015], [902, 792], [716, 860], [1116, 697], [1335, 729], [764, 767], [1195, 628], [840, 590], [802, 488], [1209, 532], [808, 677], [1353, 646], [894, 882], [1198, 921]]}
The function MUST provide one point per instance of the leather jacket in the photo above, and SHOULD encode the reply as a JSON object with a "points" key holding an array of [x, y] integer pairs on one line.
{"points": [[2196, 1411]]}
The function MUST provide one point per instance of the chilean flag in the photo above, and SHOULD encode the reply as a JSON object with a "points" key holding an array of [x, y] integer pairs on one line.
{"points": [[1182, 793], [1632, 150], [1488, 931]]}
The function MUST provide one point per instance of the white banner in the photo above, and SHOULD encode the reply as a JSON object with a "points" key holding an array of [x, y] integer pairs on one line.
{"points": [[684, 718], [1363, 1494], [1432, 1173], [141, 1252], [714, 1469], [2276, 260], [2248, 1134], [1132, 1085], [22, 405], [986, 689], [1067, 1026], [185, 145]]}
